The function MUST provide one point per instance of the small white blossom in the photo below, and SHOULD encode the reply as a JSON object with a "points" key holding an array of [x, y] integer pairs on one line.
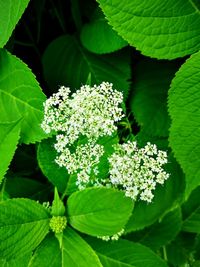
{"points": [[114, 237], [137, 170]]}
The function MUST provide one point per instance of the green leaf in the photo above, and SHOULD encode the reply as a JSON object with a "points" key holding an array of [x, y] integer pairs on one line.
{"points": [[181, 251], [191, 213], [9, 137], [124, 253], [46, 155], [20, 97], [166, 198], [149, 98], [58, 208], [161, 233], [192, 223], [74, 251], [24, 162], [23, 225], [66, 62], [16, 262], [184, 102], [23, 187], [107, 142], [192, 203], [99, 211], [161, 29], [98, 37], [10, 13], [48, 254]]}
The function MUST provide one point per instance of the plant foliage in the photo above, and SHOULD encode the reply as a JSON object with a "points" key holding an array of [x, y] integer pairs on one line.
{"points": [[138, 203]]}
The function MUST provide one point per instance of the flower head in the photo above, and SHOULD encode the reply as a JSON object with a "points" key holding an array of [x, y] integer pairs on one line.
{"points": [[90, 111], [137, 170], [58, 224]]}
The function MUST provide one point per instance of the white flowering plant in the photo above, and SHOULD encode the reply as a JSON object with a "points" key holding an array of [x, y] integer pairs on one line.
{"points": [[81, 121], [99, 144]]}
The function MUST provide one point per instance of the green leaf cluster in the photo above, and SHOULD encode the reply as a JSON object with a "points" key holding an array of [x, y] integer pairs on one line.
{"points": [[150, 51]]}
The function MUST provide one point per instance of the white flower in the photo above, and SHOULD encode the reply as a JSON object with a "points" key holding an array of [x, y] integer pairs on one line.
{"points": [[79, 121], [114, 237], [83, 161], [137, 170], [90, 111]]}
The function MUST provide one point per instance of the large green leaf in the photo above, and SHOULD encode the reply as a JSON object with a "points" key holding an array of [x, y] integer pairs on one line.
{"points": [[184, 102], [160, 233], [192, 223], [159, 28], [10, 13], [16, 262], [124, 253], [98, 37], [191, 212], [9, 137], [48, 254], [20, 97], [165, 199], [66, 62], [73, 252], [149, 98], [46, 155], [99, 211], [23, 225], [17, 186]]}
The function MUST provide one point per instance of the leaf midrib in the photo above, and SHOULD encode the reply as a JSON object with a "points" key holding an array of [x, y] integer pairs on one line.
{"points": [[25, 223], [21, 101]]}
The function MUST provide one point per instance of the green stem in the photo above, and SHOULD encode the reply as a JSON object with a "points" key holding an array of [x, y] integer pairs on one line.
{"points": [[32, 39], [165, 253], [58, 16]]}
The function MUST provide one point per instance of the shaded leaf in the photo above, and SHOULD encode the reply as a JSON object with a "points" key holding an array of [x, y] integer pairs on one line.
{"points": [[66, 62], [191, 213], [124, 253], [98, 37], [161, 233], [23, 187], [46, 155], [148, 101]]}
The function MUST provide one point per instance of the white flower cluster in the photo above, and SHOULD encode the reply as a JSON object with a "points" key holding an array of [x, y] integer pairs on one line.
{"points": [[137, 170], [83, 161], [114, 237], [89, 113]]}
